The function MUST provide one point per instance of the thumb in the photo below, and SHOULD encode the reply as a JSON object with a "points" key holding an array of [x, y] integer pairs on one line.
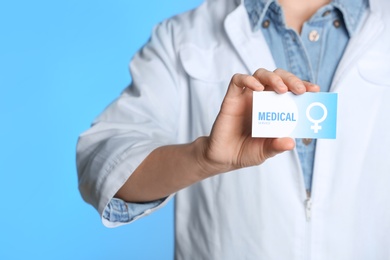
{"points": [[278, 145]]}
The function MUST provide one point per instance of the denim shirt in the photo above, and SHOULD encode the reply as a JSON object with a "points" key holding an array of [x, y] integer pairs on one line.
{"points": [[313, 55]]}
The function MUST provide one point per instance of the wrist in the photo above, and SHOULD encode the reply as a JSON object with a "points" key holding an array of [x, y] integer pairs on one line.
{"points": [[206, 165]]}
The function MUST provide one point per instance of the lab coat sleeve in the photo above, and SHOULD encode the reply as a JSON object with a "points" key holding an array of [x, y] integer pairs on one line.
{"points": [[140, 120]]}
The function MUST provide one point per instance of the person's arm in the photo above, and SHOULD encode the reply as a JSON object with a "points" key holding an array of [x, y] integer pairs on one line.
{"points": [[141, 119], [230, 146]]}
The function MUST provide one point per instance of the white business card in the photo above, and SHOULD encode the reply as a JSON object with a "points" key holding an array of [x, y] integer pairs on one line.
{"points": [[310, 115]]}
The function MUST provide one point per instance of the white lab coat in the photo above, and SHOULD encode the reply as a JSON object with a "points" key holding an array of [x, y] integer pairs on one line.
{"points": [[179, 81]]}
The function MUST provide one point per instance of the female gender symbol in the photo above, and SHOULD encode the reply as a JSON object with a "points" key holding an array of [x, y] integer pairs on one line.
{"points": [[316, 125]]}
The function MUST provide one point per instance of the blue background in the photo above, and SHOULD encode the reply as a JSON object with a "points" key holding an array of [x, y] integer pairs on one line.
{"points": [[61, 64]]}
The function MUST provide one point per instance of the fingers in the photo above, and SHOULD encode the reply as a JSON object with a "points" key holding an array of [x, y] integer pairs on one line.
{"points": [[293, 83], [282, 81], [240, 82], [310, 87], [278, 80], [271, 81]]}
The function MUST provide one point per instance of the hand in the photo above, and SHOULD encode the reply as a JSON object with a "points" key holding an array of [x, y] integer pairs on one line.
{"points": [[230, 145]]}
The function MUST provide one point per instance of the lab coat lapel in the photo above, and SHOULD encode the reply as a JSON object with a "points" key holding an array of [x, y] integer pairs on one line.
{"points": [[325, 165], [251, 46], [358, 45]]}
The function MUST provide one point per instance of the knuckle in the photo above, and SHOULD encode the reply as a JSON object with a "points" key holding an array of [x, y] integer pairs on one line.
{"points": [[247, 79], [275, 79], [279, 71], [236, 77], [293, 80], [242, 79], [260, 71]]}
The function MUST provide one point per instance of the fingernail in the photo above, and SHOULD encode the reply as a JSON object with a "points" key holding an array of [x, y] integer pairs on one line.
{"points": [[302, 86], [282, 86], [259, 86]]}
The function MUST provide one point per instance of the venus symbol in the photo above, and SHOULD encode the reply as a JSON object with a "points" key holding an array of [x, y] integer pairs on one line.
{"points": [[316, 123]]}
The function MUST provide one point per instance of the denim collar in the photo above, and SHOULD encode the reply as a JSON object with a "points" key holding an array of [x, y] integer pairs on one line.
{"points": [[352, 11]]}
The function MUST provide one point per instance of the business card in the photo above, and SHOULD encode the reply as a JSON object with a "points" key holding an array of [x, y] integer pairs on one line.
{"points": [[310, 115]]}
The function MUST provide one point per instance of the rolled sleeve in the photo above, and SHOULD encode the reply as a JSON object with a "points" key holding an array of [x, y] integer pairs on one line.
{"points": [[118, 212]]}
